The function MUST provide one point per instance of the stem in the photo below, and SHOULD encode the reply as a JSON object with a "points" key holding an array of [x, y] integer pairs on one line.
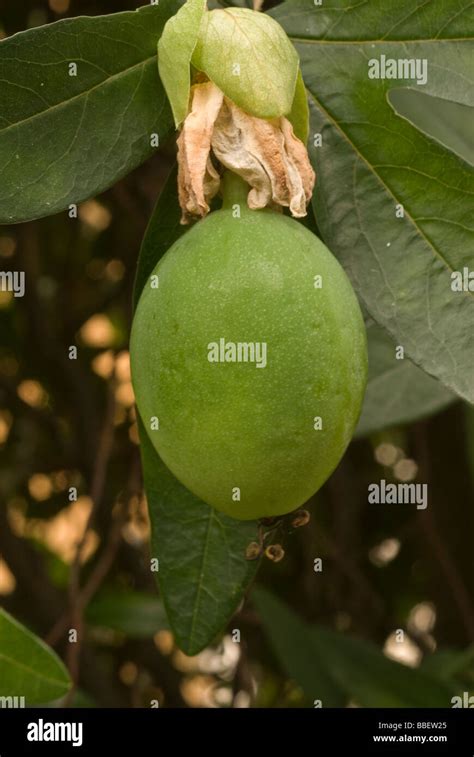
{"points": [[234, 190]]}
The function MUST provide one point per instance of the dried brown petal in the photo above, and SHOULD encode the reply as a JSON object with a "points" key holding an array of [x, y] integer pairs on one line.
{"points": [[198, 181], [299, 157], [265, 153]]}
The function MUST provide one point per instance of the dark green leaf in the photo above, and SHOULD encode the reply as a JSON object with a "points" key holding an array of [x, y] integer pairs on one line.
{"points": [[347, 22], [397, 391], [163, 230], [64, 138], [293, 645], [450, 663], [203, 573], [356, 667], [28, 667], [450, 123], [135, 614], [372, 161]]}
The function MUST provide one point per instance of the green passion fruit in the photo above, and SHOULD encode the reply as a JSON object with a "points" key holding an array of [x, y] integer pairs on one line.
{"points": [[249, 361]]}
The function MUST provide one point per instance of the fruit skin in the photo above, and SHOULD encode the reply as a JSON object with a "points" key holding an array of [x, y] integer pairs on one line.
{"points": [[227, 425]]}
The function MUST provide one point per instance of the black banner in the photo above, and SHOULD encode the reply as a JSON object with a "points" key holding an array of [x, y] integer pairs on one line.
{"points": [[136, 732]]}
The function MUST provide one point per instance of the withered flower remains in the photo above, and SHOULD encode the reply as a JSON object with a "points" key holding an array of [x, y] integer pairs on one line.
{"points": [[264, 152]]}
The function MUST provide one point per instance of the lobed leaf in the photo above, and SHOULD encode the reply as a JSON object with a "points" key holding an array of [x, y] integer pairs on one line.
{"points": [[397, 390], [449, 123], [393, 204]]}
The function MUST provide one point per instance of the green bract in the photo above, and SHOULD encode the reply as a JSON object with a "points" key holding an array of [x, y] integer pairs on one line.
{"points": [[299, 114], [175, 48], [252, 430], [250, 58]]}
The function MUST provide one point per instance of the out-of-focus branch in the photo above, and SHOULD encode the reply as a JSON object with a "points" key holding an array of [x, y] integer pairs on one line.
{"points": [[45, 603], [93, 583], [53, 354], [96, 489], [351, 570], [453, 576], [78, 601]]}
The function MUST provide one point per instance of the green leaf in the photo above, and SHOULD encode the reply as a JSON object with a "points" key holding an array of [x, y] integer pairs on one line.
{"points": [[293, 645], [66, 137], [397, 391], [450, 123], [348, 22], [299, 115], [175, 49], [450, 663], [203, 573], [371, 161], [136, 614], [163, 230], [250, 58], [28, 667], [357, 668]]}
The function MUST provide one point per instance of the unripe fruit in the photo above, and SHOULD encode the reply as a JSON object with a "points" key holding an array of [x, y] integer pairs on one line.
{"points": [[255, 438]]}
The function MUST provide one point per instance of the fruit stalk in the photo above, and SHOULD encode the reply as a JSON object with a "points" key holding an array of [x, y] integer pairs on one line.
{"points": [[234, 190]]}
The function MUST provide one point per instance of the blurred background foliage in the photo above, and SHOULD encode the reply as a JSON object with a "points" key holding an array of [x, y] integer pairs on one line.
{"points": [[70, 425]]}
